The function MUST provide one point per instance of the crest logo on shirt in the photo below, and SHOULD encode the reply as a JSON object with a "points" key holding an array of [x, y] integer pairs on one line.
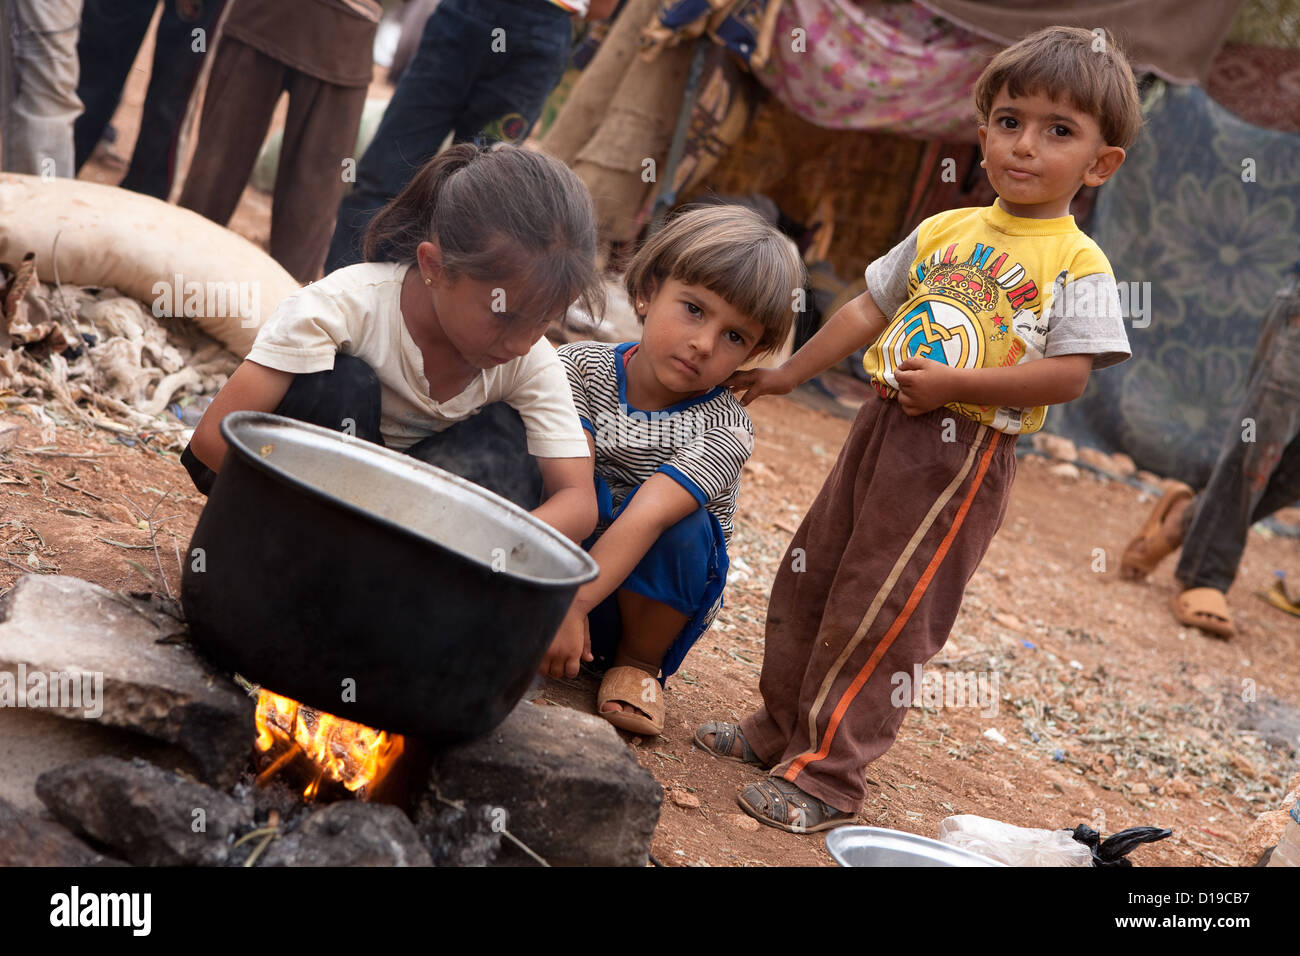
{"points": [[937, 330]]}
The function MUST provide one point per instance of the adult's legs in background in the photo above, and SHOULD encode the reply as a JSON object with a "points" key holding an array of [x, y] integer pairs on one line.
{"points": [[38, 85], [231, 128], [320, 130], [177, 61], [1258, 470], [111, 34], [423, 110]]}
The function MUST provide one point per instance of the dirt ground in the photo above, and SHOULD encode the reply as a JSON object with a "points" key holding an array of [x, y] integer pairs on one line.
{"points": [[1112, 714]]}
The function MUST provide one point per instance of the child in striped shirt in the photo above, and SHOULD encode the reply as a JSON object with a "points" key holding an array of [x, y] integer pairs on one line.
{"points": [[714, 289]]}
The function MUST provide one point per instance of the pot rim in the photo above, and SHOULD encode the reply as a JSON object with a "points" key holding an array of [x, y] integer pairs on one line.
{"points": [[238, 418]]}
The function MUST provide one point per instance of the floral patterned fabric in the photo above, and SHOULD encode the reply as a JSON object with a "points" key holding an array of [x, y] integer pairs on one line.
{"points": [[872, 65], [1203, 214]]}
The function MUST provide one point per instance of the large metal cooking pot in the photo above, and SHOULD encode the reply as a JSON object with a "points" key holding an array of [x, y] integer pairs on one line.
{"points": [[371, 585]]}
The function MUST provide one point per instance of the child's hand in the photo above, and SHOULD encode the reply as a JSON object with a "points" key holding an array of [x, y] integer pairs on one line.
{"points": [[923, 385], [572, 644], [757, 382]]}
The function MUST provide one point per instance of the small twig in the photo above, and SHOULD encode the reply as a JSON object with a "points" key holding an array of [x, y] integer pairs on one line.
{"points": [[62, 454], [140, 567], [122, 544], [153, 536], [660, 753], [16, 564], [257, 852], [72, 487], [460, 805]]}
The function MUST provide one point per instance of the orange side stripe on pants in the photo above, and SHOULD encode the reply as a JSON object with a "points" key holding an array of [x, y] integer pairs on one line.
{"points": [[900, 622]]}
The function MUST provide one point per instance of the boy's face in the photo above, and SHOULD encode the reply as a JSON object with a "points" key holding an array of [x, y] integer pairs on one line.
{"points": [[1038, 151], [694, 338]]}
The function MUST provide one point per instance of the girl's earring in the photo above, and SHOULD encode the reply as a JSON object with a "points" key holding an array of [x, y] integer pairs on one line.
{"points": [[428, 281]]}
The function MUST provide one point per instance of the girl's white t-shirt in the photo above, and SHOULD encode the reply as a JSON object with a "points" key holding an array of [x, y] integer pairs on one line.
{"points": [[357, 311]]}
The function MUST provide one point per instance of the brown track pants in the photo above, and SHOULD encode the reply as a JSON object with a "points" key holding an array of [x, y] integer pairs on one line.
{"points": [[870, 586]]}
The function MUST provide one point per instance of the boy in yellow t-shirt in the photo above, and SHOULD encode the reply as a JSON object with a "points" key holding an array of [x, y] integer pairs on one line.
{"points": [[979, 320]]}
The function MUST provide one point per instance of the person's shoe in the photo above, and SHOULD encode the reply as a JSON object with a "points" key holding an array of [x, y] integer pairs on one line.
{"points": [[1160, 535]]}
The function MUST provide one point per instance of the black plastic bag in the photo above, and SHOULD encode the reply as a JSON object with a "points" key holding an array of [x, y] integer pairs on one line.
{"points": [[1114, 850]]}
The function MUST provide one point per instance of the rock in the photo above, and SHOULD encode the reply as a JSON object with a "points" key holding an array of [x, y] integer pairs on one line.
{"points": [[570, 789], [351, 833], [8, 435], [152, 817], [34, 741], [28, 840], [1009, 621], [1064, 470], [63, 625], [1243, 766], [460, 835], [742, 821], [1267, 829], [1097, 459], [1178, 787], [1140, 789], [686, 800], [1054, 446], [1122, 464], [995, 736]]}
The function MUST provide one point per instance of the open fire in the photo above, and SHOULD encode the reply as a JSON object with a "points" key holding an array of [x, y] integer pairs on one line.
{"points": [[337, 750]]}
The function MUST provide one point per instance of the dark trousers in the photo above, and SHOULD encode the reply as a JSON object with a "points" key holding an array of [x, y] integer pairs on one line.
{"points": [[461, 82], [870, 587], [489, 449], [1258, 470], [111, 34], [320, 130]]}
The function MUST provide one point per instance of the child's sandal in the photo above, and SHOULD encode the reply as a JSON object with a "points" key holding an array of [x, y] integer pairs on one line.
{"points": [[770, 801], [632, 687], [725, 737]]}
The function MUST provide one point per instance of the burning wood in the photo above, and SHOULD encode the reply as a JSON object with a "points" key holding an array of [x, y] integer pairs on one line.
{"points": [[351, 754]]}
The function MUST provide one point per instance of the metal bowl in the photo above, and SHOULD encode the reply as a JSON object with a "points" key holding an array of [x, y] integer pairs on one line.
{"points": [[371, 585], [876, 846]]}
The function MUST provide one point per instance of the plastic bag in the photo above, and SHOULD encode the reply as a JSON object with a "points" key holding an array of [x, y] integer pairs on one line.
{"points": [[1113, 850], [1013, 845]]}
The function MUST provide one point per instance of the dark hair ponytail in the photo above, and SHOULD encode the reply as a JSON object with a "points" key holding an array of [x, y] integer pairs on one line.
{"points": [[497, 213]]}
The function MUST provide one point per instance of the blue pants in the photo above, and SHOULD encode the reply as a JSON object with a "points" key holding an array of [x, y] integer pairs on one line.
{"points": [[1252, 479], [685, 569], [462, 80]]}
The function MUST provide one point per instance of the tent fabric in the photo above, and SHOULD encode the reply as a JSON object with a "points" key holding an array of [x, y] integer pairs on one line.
{"points": [[1174, 39], [1261, 84], [1200, 225], [872, 65]]}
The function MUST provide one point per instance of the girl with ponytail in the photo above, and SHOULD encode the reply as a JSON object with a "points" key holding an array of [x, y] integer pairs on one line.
{"points": [[434, 346]]}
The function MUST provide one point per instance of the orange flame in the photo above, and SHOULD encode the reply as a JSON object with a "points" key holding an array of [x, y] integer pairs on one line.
{"points": [[353, 754]]}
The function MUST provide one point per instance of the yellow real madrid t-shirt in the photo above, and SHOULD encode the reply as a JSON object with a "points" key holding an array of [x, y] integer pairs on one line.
{"points": [[981, 288]]}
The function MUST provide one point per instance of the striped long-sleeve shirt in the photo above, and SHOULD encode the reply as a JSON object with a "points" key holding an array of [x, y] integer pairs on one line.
{"points": [[701, 443]]}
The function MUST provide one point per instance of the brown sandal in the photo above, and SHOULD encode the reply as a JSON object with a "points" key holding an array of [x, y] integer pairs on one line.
{"points": [[725, 738], [1206, 609], [1153, 544], [769, 801], [636, 688]]}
